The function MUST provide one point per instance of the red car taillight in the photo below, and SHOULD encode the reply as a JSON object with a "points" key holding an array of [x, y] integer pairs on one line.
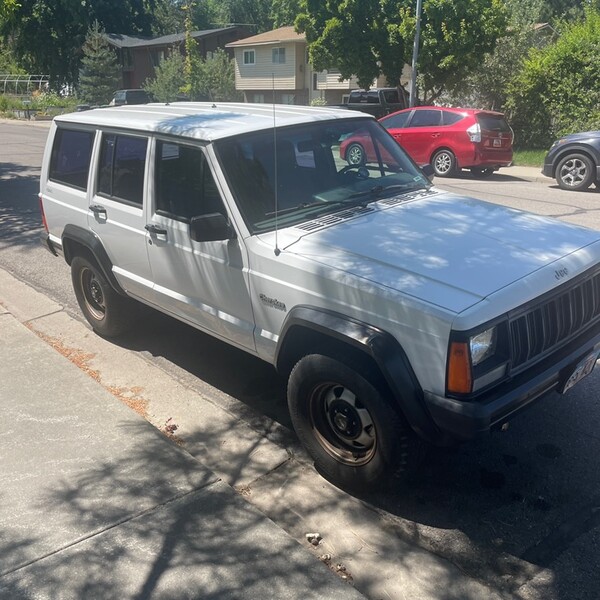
{"points": [[474, 133]]}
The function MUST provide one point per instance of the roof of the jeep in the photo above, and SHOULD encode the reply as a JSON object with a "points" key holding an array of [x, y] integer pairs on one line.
{"points": [[205, 120]]}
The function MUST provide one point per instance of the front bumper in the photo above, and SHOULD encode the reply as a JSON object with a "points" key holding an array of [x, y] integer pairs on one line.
{"points": [[465, 420]]}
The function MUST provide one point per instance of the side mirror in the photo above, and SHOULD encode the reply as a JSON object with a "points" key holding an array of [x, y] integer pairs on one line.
{"points": [[211, 228], [428, 171]]}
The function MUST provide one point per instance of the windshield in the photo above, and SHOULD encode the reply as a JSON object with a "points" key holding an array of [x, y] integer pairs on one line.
{"points": [[305, 171]]}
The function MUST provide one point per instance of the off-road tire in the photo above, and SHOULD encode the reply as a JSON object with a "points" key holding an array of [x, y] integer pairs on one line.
{"points": [[343, 417], [109, 313]]}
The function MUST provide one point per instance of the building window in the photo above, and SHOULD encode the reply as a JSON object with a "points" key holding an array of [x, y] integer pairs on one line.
{"points": [[157, 56], [249, 57], [126, 58], [288, 98], [259, 98], [279, 56]]}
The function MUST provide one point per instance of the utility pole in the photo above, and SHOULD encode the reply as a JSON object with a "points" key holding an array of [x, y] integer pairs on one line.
{"points": [[415, 57]]}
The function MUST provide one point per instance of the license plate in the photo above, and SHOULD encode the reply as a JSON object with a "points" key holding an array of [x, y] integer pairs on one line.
{"points": [[497, 142], [583, 368]]}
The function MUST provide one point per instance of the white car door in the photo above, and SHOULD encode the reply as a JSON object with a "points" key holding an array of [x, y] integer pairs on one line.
{"points": [[203, 282], [116, 212]]}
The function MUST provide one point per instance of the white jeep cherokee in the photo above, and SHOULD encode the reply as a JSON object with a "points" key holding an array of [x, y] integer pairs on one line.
{"points": [[401, 313]]}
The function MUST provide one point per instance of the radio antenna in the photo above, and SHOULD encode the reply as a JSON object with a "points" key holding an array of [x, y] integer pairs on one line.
{"points": [[276, 183]]}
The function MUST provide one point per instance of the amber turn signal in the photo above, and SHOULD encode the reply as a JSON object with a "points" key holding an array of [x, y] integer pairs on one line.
{"points": [[459, 369]]}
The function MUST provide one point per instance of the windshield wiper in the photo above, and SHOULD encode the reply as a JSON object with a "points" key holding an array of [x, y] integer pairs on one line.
{"points": [[320, 204], [378, 191]]}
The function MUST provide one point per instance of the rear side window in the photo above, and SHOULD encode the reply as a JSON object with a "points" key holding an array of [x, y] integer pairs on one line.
{"points": [[492, 122], [70, 159], [122, 166], [426, 118], [449, 118]]}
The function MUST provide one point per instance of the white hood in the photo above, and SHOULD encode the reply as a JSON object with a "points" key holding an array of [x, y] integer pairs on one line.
{"points": [[448, 250]]}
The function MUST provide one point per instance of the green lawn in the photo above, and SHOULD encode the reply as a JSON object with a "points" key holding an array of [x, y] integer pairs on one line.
{"points": [[529, 158]]}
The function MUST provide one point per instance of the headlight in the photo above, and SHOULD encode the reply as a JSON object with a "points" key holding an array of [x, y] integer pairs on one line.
{"points": [[482, 345], [477, 361]]}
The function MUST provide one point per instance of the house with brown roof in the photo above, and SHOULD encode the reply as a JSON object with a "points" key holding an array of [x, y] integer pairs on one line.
{"points": [[139, 56], [274, 67]]}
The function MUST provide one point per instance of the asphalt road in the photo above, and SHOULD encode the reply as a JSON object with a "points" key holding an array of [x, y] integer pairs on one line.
{"points": [[528, 496]]}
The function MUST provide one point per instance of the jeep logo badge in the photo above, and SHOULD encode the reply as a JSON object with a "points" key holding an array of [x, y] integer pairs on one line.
{"points": [[560, 273]]}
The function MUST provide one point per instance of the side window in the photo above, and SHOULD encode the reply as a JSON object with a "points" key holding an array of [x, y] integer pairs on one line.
{"points": [[122, 166], [449, 118], [426, 118], [396, 121], [184, 186], [70, 159]]}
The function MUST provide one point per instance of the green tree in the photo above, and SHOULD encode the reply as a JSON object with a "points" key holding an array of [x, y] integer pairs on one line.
{"points": [[284, 12], [217, 77], [255, 13], [557, 90], [169, 16], [8, 63], [47, 35], [169, 79], [99, 75], [367, 38], [487, 86]]}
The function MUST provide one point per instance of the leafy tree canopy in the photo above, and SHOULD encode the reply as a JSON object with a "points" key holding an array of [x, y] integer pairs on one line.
{"points": [[557, 90], [47, 35], [169, 79], [367, 38], [241, 12]]}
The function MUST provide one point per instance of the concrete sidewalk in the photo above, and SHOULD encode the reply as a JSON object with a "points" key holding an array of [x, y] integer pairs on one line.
{"points": [[96, 503]]}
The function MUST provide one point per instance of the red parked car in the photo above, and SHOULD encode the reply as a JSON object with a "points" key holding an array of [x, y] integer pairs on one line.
{"points": [[449, 139]]}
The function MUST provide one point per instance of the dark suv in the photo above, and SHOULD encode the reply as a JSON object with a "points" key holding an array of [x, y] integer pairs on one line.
{"points": [[574, 161]]}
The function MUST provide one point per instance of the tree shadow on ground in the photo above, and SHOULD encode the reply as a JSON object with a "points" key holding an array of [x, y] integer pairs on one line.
{"points": [[20, 216], [152, 523], [483, 505]]}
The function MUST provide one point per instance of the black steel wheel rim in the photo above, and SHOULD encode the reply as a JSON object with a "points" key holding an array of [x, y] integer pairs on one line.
{"points": [[342, 424]]}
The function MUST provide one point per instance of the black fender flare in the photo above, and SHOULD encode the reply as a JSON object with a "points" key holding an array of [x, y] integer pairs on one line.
{"points": [[379, 345], [88, 239]]}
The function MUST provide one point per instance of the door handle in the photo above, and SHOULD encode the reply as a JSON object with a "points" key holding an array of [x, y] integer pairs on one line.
{"points": [[155, 229], [98, 210]]}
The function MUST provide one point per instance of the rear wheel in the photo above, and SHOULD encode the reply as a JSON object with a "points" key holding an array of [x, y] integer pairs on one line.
{"points": [[575, 172], [109, 313], [355, 155], [346, 424], [444, 163]]}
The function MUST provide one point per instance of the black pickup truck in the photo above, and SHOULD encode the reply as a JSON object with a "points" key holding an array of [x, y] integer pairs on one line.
{"points": [[377, 101]]}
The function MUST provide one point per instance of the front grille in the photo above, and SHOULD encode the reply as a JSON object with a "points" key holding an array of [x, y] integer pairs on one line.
{"points": [[554, 322]]}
